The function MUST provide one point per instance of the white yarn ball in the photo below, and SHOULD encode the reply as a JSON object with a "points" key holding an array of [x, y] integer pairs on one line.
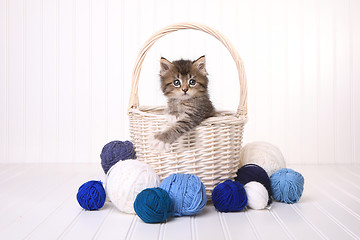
{"points": [[126, 179], [257, 195], [264, 154]]}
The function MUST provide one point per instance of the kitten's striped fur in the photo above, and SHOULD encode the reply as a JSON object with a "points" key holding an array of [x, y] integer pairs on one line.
{"points": [[185, 84]]}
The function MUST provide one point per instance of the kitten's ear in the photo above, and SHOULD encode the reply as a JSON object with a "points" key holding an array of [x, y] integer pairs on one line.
{"points": [[200, 64], [164, 65]]}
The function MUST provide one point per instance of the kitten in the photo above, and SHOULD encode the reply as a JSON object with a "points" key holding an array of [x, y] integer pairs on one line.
{"points": [[185, 84]]}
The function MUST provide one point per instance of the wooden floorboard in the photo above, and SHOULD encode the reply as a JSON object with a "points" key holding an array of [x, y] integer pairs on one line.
{"points": [[116, 225], [64, 213], [23, 192], [294, 223], [170, 230], [38, 201]]}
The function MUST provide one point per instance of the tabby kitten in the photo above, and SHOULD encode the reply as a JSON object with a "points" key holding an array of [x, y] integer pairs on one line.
{"points": [[185, 84]]}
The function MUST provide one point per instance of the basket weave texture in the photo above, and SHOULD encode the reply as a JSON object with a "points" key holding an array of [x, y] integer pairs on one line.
{"points": [[212, 150]]}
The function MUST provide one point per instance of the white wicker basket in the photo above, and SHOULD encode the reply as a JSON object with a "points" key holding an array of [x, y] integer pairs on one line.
{"points": [[212, 150]]}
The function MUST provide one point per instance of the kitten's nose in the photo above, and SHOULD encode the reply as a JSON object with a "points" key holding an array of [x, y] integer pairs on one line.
{"points": [[185, 90]]}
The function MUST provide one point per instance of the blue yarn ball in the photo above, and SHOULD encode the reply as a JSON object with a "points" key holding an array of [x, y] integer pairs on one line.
{"points": [[187, 193], [153, 205], [91, 195], [287, 185], [229, 196], [252, 172], [115, 151]]}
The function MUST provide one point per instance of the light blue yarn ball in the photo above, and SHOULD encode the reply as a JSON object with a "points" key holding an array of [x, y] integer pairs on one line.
{"points": [[187, 193], [287, 185]]}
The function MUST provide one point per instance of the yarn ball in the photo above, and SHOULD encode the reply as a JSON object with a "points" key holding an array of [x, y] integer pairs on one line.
{"points": [[253, 172], [153, 205], [257, 195], [287, 185], [126, 179], [187, 193], [229, 196], [115, 151], [264, 154], [91, 195]]}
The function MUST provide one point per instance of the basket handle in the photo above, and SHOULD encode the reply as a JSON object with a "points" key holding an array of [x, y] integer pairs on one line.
{"points": [[134, 98]]}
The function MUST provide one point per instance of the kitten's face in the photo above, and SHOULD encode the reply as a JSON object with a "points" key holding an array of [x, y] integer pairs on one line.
{"points": [[183, 79]]}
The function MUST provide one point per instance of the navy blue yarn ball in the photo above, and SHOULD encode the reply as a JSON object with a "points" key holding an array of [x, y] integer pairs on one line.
{"points": [[253, 172], [229, 196], [91, 195], [153, 205], [115, 151]]}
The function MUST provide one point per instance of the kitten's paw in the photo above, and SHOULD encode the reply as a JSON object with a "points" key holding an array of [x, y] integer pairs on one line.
{"points": [[172, 119], [159, 145]]}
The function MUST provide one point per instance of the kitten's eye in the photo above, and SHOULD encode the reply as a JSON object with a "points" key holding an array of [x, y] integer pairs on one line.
{"points": [[192, 82], [177, 83]]}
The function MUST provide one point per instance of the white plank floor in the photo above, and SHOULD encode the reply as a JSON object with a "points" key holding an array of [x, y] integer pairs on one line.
{"points": [[38, 201]]}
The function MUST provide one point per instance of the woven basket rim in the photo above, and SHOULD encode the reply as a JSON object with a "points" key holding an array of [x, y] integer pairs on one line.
{"points": [[221, 115]]}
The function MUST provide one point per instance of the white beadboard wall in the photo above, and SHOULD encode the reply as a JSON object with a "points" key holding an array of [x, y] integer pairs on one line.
{"points": [[65, 72]]}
